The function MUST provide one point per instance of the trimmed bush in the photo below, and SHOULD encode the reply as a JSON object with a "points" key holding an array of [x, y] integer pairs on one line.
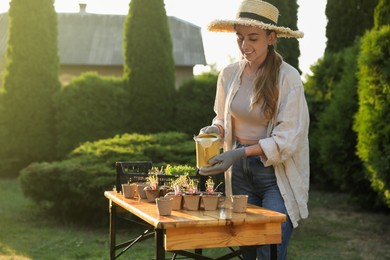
{"points": [[288, 48], [149, 68], [337, 142], [382, 14], [319, 89], [90, 108], [372, 120], [30, 81], [73, 188], [342, 28], [195, 102]]}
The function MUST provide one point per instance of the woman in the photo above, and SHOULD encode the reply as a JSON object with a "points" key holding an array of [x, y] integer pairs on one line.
{"points": [[262, 115]]}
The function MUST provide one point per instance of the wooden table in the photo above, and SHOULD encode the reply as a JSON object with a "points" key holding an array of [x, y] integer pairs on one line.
{"points": [[184, 230]]}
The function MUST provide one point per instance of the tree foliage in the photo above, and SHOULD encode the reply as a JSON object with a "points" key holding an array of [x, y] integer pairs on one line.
{"points": [[349, 151], [30, 81], [88, 109], [319, 92], [382, 14], [347, 20], [195, 102], [149, 68], [337, 142], [335, 138], [372, 120], [89, 170], [288, 48]]}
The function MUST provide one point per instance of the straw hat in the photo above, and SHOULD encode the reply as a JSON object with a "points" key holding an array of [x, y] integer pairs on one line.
{"points": [[255, 13]]}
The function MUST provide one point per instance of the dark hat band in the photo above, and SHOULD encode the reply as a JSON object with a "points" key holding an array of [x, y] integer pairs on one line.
{"points": [[256, 17]]}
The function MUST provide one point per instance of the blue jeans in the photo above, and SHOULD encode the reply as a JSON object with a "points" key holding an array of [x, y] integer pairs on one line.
{"points": [[250, 177]]}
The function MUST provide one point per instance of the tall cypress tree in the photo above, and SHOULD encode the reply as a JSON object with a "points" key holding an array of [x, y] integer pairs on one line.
{"points": [[30, 81], [288, 48], [347, 20], [382, 14], [373, 117], [149, 68]]}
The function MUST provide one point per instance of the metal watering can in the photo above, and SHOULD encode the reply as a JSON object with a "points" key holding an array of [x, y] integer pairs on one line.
{"points": [[207, 146]]}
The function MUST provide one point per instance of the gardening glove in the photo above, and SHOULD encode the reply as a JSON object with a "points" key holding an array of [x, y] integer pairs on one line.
{"points": [[222, 162], [212, 129]]}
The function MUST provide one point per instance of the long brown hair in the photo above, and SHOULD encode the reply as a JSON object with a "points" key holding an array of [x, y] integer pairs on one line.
{"points": [[266, 84]]}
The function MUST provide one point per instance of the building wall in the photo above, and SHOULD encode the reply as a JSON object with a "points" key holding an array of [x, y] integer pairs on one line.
{"points": [[183, 74]]}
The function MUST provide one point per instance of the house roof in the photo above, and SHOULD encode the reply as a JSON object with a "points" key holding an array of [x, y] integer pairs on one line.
{"points": [[97, 39]]}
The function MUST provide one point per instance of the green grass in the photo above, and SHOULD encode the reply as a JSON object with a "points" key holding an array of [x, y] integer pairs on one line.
{"points": [[337, 230], [334, 230], [27, 234]]}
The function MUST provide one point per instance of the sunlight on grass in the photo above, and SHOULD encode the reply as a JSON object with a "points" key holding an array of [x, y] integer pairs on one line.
{"points": [[7, 253]]}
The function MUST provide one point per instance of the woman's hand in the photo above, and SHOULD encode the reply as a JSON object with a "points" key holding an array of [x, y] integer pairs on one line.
{"points": [[222, 162], [212, 129]]}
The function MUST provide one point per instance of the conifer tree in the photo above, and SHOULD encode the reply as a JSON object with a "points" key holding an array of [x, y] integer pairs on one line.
{"points": [[347, 20], [288, 16], [373, 117], [382, 14], [149, 69], [30, 81]]}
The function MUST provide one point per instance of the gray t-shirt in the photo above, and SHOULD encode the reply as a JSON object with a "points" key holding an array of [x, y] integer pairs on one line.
{"points": [[248, 124]]}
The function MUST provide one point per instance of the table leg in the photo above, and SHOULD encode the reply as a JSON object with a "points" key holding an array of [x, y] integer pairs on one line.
{"points": [[274, 252], [112, 230], [198, 251], [159, 244]]}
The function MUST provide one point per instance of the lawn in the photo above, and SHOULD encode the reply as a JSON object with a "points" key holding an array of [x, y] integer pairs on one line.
{"points": [[334, 230]]}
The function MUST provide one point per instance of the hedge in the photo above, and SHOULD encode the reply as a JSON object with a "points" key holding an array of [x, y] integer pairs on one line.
{"points": [[73, 188], [195, 102], [372, 120], [30, 80], [90, 108]]}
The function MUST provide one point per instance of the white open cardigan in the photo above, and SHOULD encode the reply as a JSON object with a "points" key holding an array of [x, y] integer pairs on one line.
{"points": [[286, 146]]}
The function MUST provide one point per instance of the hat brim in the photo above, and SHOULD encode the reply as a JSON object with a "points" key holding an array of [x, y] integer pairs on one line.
{"points": [[228, 26]]}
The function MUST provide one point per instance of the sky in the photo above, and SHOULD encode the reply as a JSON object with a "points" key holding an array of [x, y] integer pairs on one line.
{"points": [[220, 48]]}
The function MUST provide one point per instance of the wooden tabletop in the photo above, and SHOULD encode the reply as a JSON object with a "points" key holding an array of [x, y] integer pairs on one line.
{"points": [[200, 218]]}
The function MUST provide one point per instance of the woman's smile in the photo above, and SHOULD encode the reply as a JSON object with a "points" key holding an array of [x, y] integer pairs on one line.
{"points": [[248, 53]]}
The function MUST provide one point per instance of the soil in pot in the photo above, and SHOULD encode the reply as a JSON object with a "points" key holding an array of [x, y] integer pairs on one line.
{"points": [[165, 190], [151, 195]]}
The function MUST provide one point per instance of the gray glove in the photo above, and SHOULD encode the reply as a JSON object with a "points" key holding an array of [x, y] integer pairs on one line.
{"points": [[212, 129], [222, 162]]}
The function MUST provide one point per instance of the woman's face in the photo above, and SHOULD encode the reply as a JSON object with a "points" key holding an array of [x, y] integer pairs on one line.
{"points": [[253, 43]]}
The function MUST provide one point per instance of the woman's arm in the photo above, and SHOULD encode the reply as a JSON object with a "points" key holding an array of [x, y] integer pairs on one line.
{"points": [[254, 150]]}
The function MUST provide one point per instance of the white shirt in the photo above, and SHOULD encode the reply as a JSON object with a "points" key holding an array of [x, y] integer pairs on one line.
{"points": [[286, 145]]}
